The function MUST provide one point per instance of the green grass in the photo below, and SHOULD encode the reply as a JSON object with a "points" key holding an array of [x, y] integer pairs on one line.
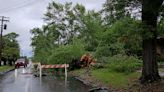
{"points": [[78, 72], [4, 68], [114, 79], [109, 78]]}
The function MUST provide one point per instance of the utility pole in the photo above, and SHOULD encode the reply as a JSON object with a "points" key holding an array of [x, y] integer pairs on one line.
{"points": [[3, 26]]}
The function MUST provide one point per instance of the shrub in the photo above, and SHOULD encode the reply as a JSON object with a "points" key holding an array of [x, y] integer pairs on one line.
{"points": [[124, 63], [104, 51], [99, 66], [66, 53]]}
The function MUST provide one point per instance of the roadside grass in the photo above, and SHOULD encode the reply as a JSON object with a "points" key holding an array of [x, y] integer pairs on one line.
{"points": [[5, 68], [108, 77], [115, 79]]}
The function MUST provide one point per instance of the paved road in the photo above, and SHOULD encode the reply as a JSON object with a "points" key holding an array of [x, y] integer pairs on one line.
{"points": [[21, 80]]}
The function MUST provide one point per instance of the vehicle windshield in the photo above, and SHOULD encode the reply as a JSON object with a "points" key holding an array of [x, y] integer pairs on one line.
{"points": [[20, 60]]}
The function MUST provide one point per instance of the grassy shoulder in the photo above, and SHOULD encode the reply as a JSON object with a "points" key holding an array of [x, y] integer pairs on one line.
{"points": [[5, 68], [107, 77], [114, 79]]}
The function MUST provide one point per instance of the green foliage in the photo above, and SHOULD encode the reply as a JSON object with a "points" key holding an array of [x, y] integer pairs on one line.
{"points": [[6, 68], [61, 29], [115, 79], [66, 53], [43, 42], [92, 31], [67, 19], [98, 66], [124, 32], [123, 63], [91, 45], [11, 52], [160, 27], [115, 10], [56, 43], [103, 52], [11, 48], [108, 77]]}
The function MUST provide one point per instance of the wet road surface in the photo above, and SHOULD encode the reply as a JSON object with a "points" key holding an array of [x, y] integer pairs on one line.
{"points": [[21, 80]]}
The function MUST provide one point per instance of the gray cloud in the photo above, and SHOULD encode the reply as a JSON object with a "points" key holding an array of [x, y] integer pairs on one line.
{"points": [[27, 14]]}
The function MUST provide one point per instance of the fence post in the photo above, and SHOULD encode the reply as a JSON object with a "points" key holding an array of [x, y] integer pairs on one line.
{"points": [[65, 75], [66, 70], [40, 68]]}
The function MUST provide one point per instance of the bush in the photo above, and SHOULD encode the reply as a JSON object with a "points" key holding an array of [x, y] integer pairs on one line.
{"points": [[123, 63], [99, 66], [66, 53], [104, 51]]}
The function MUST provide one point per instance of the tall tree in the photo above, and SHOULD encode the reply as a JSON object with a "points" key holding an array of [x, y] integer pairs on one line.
{"points": [[43, 41], [67, 19], [66, 22], [114, 10], [117, 9], [11, 50], [150, 12]]}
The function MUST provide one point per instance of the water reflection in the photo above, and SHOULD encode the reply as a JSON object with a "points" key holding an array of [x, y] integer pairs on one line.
{"points": [[21, 80], [60, 84]]}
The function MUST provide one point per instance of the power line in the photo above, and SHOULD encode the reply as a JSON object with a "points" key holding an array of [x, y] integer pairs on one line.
{"points": [[2, 10], [17, 7], [14, 3]]}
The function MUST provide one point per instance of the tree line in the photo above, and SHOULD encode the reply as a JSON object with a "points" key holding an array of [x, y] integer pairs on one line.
{"points": [[10, 48]]}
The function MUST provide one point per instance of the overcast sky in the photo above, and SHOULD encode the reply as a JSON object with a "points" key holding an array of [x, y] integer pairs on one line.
{"points": [[27, 14]]}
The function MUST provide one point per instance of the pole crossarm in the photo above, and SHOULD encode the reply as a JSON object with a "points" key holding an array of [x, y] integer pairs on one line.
{"points": [[4, 19]]}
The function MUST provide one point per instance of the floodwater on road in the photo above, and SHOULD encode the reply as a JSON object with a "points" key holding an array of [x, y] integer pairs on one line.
{"points": [[21, 80]]}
